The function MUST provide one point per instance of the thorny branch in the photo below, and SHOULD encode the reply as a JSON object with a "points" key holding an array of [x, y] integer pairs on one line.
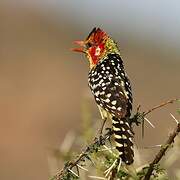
{"points": [[160, 106], [138, 118], [93, 147], [98, 142], [162, 152]]}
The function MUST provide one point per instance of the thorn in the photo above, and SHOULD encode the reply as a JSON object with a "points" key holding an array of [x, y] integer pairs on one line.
{"points": [[77, 170], [110, 168], [73, 173], [107, 149], [82, 167], [110, 150], [174, 119], [96, 177], [87, 156], [155, 146], [119, 165], [149, 122]]}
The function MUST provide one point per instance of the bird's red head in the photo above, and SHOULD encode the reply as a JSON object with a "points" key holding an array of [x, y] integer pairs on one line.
{"points": [[94, 46]]}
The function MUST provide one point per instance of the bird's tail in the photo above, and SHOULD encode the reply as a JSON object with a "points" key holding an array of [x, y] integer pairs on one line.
{"points": [[123, 138]]}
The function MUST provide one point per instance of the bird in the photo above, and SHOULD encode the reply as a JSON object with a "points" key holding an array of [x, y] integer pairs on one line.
{"points": [[110, 87]]}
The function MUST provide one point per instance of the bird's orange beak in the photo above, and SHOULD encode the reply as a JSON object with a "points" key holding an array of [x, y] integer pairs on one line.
{"points": [[81, 49]]}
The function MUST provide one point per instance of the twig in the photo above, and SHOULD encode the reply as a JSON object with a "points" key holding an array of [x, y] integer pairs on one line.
{"points": [[174, 118], [162, 152], [160, 105]]}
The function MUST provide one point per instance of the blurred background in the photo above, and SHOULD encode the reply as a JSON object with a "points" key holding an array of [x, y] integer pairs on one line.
{"points": [[43, 84]]}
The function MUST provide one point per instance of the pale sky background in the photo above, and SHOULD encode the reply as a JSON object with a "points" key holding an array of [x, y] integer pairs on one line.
{"points": [[143, 19]]}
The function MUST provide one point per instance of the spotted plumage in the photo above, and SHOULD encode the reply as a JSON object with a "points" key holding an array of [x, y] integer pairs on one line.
{"points": [[112, 91], [111, 88]]}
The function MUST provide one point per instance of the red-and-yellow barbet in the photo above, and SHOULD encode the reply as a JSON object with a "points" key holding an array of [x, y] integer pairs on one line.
{"points": [[111, 87]]}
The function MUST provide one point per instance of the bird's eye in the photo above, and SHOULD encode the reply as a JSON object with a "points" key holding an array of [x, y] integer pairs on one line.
{"points": [[88, 45]]}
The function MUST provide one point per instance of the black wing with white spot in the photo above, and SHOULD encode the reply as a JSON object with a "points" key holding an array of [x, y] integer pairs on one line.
{"points": [[111, 87]]}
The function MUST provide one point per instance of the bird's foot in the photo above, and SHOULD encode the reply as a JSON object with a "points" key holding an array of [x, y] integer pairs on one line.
{"points": [[101, 131], [102, 127]]}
